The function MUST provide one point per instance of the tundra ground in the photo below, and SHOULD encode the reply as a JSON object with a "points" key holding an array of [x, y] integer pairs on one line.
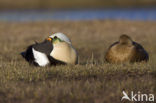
{"points": [[92, 80]]}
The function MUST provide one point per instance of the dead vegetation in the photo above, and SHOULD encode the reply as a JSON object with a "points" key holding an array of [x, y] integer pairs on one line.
{"points": [[92, 81]]}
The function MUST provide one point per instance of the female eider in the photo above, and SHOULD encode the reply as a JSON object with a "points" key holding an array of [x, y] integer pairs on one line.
{"points": [[56, 49], [126, 50]]}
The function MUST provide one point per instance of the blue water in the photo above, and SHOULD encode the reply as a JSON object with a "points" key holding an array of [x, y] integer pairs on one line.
{"points": [[82, 14]]}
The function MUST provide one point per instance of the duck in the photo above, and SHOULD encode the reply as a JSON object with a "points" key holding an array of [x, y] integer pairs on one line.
{"points": [[55, 50], [126, 50], [63, 49]]}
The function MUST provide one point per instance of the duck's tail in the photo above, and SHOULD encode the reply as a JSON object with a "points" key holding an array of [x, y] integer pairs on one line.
{"points": [[23, 54]]}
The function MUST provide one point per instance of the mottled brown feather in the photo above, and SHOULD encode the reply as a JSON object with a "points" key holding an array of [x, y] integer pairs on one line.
{"points": [[126, 50]]}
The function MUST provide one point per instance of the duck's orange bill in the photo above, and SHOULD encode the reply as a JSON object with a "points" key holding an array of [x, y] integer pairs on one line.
{"points": [[49, 39]]}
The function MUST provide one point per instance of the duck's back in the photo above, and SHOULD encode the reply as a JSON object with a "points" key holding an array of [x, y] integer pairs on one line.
{"points": [[140, 54], [119, 53]]}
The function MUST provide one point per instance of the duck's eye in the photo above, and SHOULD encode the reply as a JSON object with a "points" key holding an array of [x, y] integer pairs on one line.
{"points": [[55, 37]]}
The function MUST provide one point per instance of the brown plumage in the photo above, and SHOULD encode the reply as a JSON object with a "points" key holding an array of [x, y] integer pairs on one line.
{"points": [[126, 50]]}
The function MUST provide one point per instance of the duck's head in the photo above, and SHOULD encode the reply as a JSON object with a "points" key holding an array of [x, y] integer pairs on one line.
{"points": [[125, 40], [58, 37], [55, 40]]}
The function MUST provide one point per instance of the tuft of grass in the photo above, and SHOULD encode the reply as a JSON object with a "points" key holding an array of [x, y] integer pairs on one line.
{"points": [[92, 80]]}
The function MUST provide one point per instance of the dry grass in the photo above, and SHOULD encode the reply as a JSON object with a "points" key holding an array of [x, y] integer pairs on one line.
{"points": [[92, 81], [50, 4]]}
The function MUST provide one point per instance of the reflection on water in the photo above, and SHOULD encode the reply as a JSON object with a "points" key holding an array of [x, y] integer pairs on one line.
{"points": [[41, 15]]}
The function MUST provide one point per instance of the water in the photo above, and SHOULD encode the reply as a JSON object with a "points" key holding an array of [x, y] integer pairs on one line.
{"points": [[85, 14]]}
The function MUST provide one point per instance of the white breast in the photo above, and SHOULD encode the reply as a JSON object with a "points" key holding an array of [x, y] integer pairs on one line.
{"points": [[40, 58]]}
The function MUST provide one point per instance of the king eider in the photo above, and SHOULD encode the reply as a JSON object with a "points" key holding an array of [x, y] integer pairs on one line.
{"points": [[126, 50], [56, 49], [63, 49]]}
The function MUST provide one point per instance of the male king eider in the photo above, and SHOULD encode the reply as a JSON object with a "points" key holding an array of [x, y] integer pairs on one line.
{"points": [[56, 49], [63, 49], [126, 50]]}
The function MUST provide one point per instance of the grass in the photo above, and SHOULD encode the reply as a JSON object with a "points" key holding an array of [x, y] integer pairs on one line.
{"points": [[92, 80]]}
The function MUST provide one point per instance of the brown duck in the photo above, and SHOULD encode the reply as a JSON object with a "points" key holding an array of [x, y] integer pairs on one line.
{"points": [[126, 50]]}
